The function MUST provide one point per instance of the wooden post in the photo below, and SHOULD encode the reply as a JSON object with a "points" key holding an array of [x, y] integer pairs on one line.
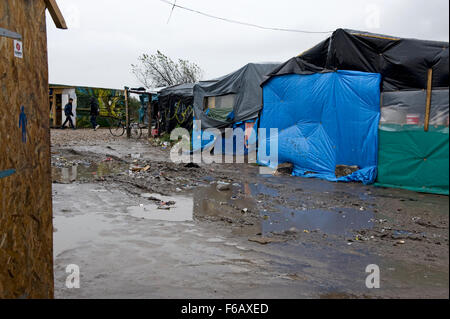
{"points": [[149, 115], [428, 105], [127, 114]]}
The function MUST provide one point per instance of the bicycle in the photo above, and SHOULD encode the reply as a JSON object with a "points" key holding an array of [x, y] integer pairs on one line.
{"points": [[117, 128]]}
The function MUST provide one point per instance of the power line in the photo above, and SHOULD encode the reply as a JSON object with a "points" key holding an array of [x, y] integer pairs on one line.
{"points": [[171, 11], [238, 22]]}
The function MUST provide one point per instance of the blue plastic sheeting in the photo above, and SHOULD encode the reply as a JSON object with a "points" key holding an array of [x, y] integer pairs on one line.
{"points": [[323, 120], [228, 146]]}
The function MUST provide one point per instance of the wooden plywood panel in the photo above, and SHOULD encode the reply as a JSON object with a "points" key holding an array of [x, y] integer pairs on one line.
{"points": [[25, 196]]}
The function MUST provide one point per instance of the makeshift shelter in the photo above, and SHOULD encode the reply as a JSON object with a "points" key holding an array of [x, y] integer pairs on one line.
{"points": [[413, 132], [26, 228], [323, 118], [176, 107], [233, 100]]}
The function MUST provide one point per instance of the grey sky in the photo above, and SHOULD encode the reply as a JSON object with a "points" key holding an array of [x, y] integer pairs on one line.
{"points": [[106, 36]]}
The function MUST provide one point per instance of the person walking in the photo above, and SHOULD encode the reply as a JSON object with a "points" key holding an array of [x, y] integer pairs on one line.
{"points": [[94, 113], [69, 114]]}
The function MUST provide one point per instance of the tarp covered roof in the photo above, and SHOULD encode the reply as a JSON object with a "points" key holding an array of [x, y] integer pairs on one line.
{"points": [[403, 63], [184, 89], [245, 83]]}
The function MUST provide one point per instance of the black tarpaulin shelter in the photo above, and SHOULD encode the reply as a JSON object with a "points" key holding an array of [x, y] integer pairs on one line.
{"points": [[403, 63], [176, 107]]}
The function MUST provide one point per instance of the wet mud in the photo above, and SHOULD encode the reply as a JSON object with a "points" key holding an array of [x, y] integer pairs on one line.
{"points": [[142, 226]]}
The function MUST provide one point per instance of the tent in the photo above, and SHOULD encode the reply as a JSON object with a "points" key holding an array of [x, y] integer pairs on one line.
{"points": [[413, 132], [175, 105], [324, 118], [233, 100]]}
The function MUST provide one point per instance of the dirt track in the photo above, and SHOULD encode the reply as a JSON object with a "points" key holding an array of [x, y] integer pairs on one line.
{"points": [[146, 227]]}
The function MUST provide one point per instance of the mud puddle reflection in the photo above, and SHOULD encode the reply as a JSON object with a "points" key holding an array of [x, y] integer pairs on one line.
{"points": [[78, 229], [236, 204], [337, 222], [165, 208], [66, 175]]}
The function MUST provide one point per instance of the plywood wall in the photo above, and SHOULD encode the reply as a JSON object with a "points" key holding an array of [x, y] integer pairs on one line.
{"points": [[26, 261]]}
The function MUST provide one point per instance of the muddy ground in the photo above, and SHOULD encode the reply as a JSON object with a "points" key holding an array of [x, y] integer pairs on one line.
{"points": [[140, 226]]}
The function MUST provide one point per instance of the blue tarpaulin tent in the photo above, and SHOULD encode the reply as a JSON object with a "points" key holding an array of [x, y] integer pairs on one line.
{"points": [[324, 119]]}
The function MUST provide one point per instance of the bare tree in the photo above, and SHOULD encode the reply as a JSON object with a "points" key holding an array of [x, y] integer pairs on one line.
{"points": [[157, 70]]}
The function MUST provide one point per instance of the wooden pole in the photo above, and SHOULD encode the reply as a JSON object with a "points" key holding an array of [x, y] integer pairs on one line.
{"points": [[428, 105], [149, 115], [127, 114]]}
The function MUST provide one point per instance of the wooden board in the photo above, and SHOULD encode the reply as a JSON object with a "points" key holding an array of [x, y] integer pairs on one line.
{"points": [[26, 231], [56, 14]]}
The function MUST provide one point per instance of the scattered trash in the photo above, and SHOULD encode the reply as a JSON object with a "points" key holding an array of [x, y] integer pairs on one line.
{"points": [[284, 169], [191, 165], [245, 210], [291, 231], [222, 186]]}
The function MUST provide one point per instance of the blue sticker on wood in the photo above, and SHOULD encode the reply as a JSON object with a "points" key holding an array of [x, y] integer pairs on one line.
{"points": [[23, 124]]}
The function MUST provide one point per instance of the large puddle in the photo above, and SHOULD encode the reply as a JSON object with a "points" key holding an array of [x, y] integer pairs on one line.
{"points": [[337, 222], [78, 229], [240, 198], [166, 208], [229, 204], [232, 203]]}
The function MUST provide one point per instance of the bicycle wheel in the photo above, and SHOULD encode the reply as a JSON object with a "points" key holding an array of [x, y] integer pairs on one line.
{"points": [[136, 130], [116, 129]]}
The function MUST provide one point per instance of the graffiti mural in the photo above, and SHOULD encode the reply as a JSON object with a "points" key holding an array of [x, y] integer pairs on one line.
{"points": [[176, 111], [111, 104]]}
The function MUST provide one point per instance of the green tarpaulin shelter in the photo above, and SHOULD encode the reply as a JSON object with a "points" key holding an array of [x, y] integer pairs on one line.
{"points": [[413, 159]]}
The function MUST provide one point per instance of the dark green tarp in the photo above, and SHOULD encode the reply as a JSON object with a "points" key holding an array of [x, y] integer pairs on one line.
{"points": [[412, 159]]}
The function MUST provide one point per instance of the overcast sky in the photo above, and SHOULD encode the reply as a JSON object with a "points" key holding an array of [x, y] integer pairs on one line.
{"points": [[106, 36]]}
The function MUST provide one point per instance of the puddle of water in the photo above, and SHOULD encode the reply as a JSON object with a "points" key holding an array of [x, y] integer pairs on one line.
{"points": [[257, 189], [181, 210], [81, 172], [78, 229], [211, 202], [336, 222]]}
